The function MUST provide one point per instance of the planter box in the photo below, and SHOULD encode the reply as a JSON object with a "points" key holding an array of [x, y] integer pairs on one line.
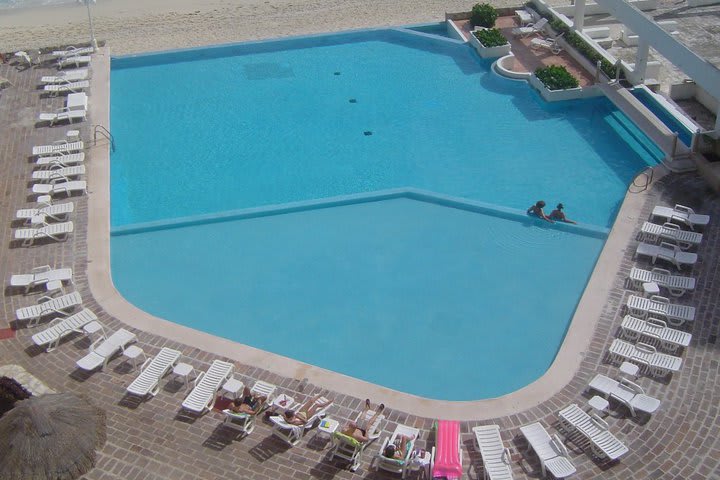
{"points": [[489, 52], [559, 95]]}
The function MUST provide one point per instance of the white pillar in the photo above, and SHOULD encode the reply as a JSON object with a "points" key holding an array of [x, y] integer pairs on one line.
{"points": [[579, 15], [641, 59]]}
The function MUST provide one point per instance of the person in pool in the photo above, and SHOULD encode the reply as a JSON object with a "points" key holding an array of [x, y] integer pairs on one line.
{"points": [[559, 215], [537, 210], [249, 403]]}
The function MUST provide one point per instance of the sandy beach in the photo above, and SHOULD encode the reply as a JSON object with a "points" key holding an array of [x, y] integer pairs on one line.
{"points": [[132, 26]]}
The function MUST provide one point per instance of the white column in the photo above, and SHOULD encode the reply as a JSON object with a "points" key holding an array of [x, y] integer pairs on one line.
{"points": [[641, 59], [579, 16]]}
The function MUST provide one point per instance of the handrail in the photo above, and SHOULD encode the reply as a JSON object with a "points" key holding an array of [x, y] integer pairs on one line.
{"points": [[647, 173], [105, 133]]}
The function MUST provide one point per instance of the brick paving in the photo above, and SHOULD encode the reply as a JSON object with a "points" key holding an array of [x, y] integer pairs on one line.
{"points": [[151, 440]]}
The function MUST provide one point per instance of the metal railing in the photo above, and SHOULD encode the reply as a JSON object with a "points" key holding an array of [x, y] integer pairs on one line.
{"points": [[642, 180], [105, 133]]}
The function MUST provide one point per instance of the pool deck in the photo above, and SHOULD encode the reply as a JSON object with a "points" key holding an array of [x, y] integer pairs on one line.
{"points": [[151, 439]]}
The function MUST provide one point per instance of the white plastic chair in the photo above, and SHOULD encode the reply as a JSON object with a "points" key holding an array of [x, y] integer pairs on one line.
{"points": [[685, 239], [292, 434], [103, 349], [495, 456], [682, 215], [551, 451], [245, 422], [676, 285], [55, 231], [202, 397], [604, 444], [41, 276], [668, 252], [47, 305], [152, 371], [59, 328], [646, 356], [67, 188], [394, 465], [655, 330], [58, 147], [625, 392], [657, 305]]}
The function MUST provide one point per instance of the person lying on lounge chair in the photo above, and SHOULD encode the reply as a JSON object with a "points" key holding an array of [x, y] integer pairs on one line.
{"points": [[397, 450], [359, 430], [306, 411], [249, 403]]}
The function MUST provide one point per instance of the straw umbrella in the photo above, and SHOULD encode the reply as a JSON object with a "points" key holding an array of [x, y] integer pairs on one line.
{"points": [[51, 437]]}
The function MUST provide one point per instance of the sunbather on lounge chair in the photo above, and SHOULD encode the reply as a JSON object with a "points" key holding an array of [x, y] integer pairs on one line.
{"points": [[249, 403], [306, 411], [398, 450], [359, 430]]}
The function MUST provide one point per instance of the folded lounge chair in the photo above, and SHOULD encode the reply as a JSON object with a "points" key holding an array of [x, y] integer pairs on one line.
{"points": [[103, 349], [447, 454], [46, 306], [676, 314], [646, 356], [397, 465], [63, 115], [202, 397], [41, 276], [578, 423], [57, 212], [292, 434], [74, 60], [495, 456], [676, 285], [58, 147], [628, 393], [550, 450], [62, 187], [56, 231], [61, 173], [668, 252], [530, 28], [148, 382], [59, 328], [66, 76], [67, 87], [72, 51], [549, 43], [245, 422], [685, 239], [682, 215], [652, 331], [350, 449]]}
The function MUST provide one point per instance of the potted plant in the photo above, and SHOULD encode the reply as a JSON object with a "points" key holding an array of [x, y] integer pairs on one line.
{"points": [[483, 15], [555, 83], [490, 43]]}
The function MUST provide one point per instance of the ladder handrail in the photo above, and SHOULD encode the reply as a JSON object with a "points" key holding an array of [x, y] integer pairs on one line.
{"points": [[106, 133]]}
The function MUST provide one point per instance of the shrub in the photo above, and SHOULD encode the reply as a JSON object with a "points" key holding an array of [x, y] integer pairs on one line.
{"points": [[490, 37], [556, 77], [483, 15], [10, 392], [579, 44]]}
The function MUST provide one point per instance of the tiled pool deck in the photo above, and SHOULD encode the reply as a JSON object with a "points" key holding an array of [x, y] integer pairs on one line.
{"points": [[150, 440]]}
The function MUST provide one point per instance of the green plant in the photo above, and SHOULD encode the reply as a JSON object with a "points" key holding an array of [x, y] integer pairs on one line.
{"points": [[490, 37], [556, 77], [582, 47], [483, 15]]}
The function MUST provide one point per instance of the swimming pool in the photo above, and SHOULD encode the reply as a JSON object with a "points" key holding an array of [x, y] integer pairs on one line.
{"points": [[330, 197], [651, 101]]}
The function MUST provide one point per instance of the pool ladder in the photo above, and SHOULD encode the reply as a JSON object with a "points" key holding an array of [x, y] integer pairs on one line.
{"points": [[642, 180], [105, 133]]}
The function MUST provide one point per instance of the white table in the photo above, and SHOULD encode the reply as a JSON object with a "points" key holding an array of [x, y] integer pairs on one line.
{"points": [[651, 288], [132, 353], [233, 387], [630, 369], [599, 403], [327, 427], [420, 462], [183, 370], [77, 101], [524, 17], [92, 328], [282, 402]]}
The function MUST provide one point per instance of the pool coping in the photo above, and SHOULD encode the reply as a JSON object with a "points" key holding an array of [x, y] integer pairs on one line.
{"points": [[560, 373]]}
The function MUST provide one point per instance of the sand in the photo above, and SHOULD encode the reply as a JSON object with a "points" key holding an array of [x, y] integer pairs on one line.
{"points": [[133, 26]]}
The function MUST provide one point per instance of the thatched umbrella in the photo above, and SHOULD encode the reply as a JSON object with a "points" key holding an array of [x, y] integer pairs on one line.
{"points": [[51, 437]]}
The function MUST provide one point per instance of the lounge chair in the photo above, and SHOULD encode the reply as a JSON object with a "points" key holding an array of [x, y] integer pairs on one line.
{"points": [[202, 397], [676, 314], [66, 76], [72, 51], [625, 392], [67, 87], [58, 147], [47, 305], [676, 285], [61, 160], [56, 231], [60, 327], [63, 187], [63, 115], [292, 434], [75, 60], [495, 456], [44, 275], [551, 451], [646, 356], [578, 423], [57, 212], [397, 465], [524, 17], [682, 215], [549, 43], [668, 252], [685, 239], [103, 349], [349, 448], [245, 422], [531, 28], [61, 173], [654, 330], [152, 371]]}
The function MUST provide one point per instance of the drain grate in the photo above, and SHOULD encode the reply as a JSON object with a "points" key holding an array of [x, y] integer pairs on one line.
{"points": [[367, 133], [352, 100]]}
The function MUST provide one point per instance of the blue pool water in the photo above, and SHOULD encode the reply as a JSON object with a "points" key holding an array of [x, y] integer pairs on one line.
{"points": [[675, 125], [471, 303]]}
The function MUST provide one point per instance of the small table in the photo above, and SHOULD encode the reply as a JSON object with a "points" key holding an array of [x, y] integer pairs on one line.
{"points": [[630, 369], [420, 461], [232, 386], [327, 427], [132, 353], [77, 101], [92, 327], [651, 288], [183, 370], [283, 402], [524, 17], [54, 285], [599, 403]]}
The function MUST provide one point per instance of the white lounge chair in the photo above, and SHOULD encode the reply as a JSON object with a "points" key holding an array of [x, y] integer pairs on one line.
{"points": [[47, 305], [524, 17], [62, 173], [202, 397], [60, 327], [350, 449], [625, 392], [61, 160], [43, 275], [549, 43], [75, 60], [67, 87], [58, 147], [56, 231], [397, 465], [245, 422], [57, 212], [292, 434], [653, 331], [685, 239], [63, 187], [531, 28], [66, 76], [63, 115], [646, 356], [495, 456], [676, 314], [676, 285], [103, 349], [603, 444], [152, 371], [668, 252], [73, 51], [682, 215], [550, 450]]}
